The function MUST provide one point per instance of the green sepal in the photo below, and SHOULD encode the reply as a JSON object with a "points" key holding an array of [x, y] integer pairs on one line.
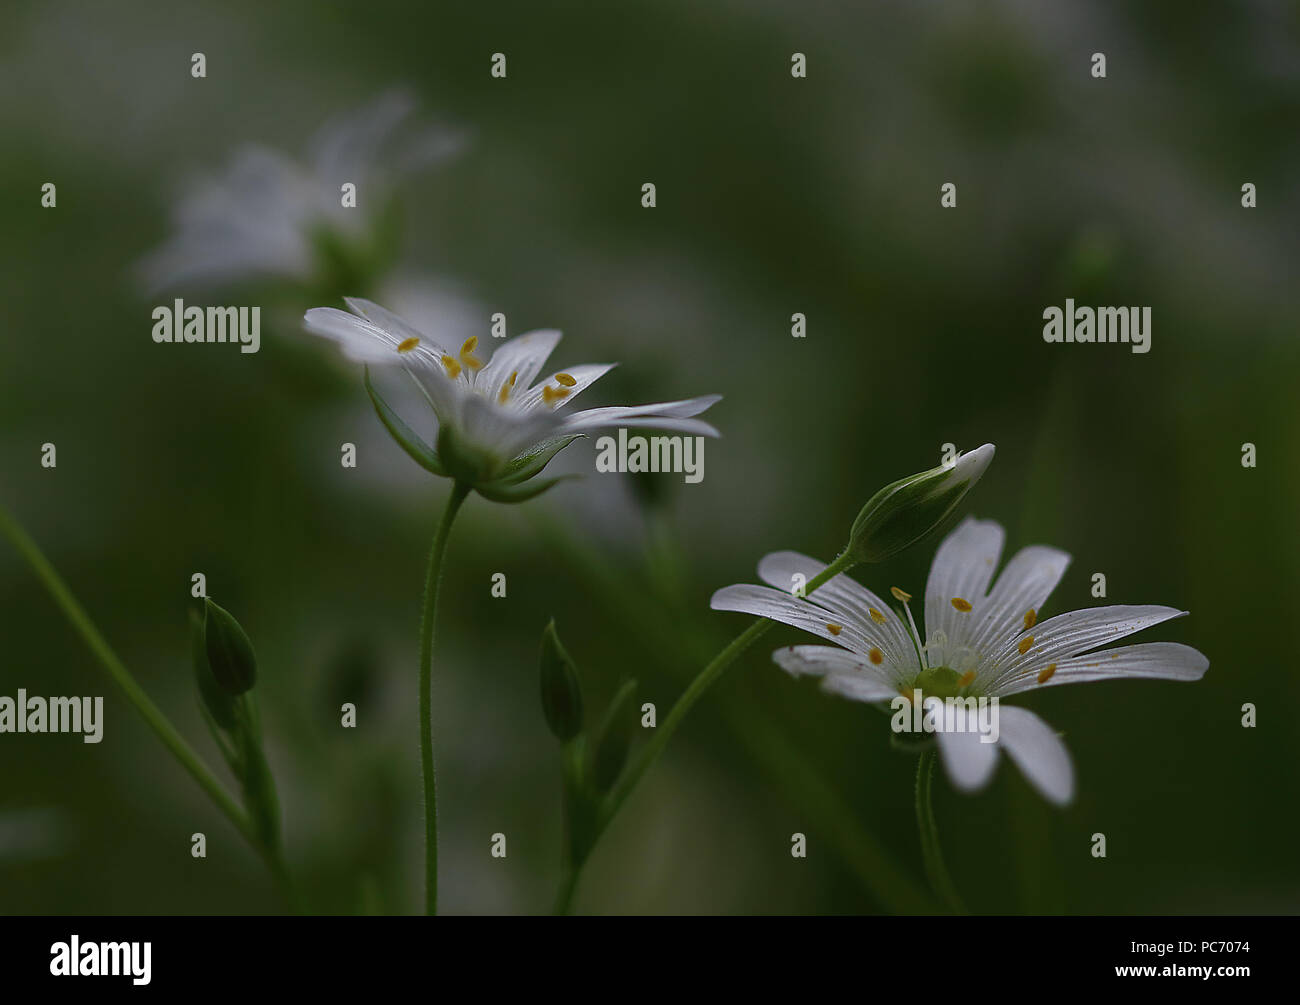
{"points": [[217, 705], [532, 463], [229, 652], [497, 492], [402, 434], [561, 693]]}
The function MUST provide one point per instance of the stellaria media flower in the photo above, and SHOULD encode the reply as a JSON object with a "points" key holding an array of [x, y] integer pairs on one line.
{"points": [[268, 215], [985, 641], [498, 426]]}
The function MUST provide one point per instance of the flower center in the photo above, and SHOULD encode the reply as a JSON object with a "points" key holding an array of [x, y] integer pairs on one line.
{"points": [[942, 682]]}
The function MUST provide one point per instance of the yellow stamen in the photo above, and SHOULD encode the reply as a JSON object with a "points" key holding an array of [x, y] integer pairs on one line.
{"points": [[550, 394], [467, 354], [505, 388], [966, 678], [1024, 644], [835, 629], [407, 344], [900, 595], [875, 655], [1045, 674], [451, 366], [1031, 618], [566, 380], [876, 616], [906, 695], [961, 604]]}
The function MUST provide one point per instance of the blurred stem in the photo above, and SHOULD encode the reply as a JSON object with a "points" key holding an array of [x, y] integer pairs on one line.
{"points": [[784, 763], [428, 612], [704, 680], [135, 694], [931, 853]]}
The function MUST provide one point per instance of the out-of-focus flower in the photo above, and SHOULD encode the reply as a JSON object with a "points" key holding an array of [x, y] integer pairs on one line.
{"points": [[268, 215], [496, 427], [984, 643]]}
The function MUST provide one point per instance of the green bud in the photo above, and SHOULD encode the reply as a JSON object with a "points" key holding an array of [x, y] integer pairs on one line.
{"points": [[230, 653], [614, 738], [561, 692], [220, 705], [901, 514]]}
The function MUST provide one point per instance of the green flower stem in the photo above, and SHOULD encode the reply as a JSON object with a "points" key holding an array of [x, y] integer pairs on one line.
{"points": [[931, 852], [694, 691], [150, 712], [428, 612]]}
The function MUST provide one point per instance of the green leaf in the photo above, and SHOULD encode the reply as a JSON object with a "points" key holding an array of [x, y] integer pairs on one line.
{"points": [[497, 492], [405, 437]]}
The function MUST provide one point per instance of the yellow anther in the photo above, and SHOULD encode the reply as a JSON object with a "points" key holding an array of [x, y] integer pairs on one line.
{"points": [[835, 629], [966, 678], [550, 394], [876, 616], [451, 366], [875, 655], [1045, 674], [505, 388], [1024, 644], [467, 354], [905, 695], [407, 344], [962, 604], [1031, 618], [900, 595], [566, 379]]}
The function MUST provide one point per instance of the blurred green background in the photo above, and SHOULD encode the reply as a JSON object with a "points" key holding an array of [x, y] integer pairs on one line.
{"points": [[775, 196]]}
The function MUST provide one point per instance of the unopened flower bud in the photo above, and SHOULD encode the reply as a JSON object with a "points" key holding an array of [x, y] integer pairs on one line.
{"points": [[230, 654], [561, 692], [902, 513]]}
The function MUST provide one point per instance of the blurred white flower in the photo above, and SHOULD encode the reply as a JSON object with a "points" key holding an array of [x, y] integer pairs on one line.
{"points": [[495, 425], [269, 215], [984, 642]]}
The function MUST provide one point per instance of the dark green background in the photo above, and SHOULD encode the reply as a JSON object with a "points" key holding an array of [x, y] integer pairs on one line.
{"points": [[775, 195]]}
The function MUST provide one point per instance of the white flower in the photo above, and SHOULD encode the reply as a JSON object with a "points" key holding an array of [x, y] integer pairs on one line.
{"points": [[268, 215], [985, 641], [494, 414]]}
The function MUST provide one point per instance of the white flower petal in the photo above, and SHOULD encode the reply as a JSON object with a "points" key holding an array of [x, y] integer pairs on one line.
{"points": [[522, 357], [962, 569], [502, 432], [1152, 660], [766, 602], [848, 600], [398, 326], [1039, 753], [359, 339], [843, 673], [968, 761], [1024, 585], [1070, 634], [581, 377]]}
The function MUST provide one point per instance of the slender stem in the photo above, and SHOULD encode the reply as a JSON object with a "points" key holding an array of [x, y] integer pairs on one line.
{"points": [[150, 712], [568, 886], [931, 852], [428, 612], [694, 691]]}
